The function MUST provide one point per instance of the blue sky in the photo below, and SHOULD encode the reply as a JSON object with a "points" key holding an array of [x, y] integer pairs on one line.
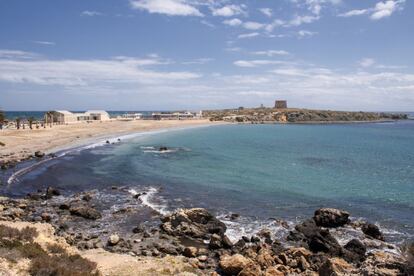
{"points": [[194, 54]]}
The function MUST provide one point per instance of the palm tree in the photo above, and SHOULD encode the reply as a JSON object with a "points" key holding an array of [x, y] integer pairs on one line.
{"points": [[30, 120], [2, 118], [18, 120]]}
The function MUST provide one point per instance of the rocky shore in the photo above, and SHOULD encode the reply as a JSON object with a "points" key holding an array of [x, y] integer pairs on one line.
{"points": [[293, 115], [200, 239]]}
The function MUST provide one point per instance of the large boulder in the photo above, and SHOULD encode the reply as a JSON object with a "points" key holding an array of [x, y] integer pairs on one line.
{"points": [[85, 212], [355, 251], [196, 223], [232, 265], [317, 239], [372, 231], [329, 217]]}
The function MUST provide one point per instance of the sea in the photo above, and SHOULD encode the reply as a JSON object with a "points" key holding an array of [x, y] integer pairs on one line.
{"points": [[264, 173]]}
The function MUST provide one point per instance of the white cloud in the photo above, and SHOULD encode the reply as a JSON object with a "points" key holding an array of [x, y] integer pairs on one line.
{"points": [[386, 9], [42, 71], [354, 13], [299, 20], [47, 43], [229, 10], [250, 25], [249, 35], [255, 63], [305, 33], [16, 54], [168, 7], [366, 62], [90, 13], [276, 23], [271, 53], [233, 22], [381, 10], [266, 11]]}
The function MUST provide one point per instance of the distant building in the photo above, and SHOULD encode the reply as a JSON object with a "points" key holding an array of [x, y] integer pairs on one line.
{"points": [[280, 104], [173, 116], [67, 117]]}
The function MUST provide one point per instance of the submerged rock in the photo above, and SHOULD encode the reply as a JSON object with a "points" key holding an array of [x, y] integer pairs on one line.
{"points": [[197, 223], [330, 217], [51, 192]]}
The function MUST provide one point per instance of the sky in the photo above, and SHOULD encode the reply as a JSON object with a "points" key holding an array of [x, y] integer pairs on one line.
{"points": [[206, 54]]}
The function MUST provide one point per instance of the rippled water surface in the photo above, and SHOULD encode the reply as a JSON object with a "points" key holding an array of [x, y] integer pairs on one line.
{"points": [[258, 171]]}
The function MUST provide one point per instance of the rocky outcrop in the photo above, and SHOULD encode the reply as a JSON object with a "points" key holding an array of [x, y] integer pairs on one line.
{"points": [[329, 217], [196, 223], [337, 267], [372, 231]]}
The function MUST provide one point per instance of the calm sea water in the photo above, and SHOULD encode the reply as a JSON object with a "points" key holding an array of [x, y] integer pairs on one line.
{"points": [[257, 171]]}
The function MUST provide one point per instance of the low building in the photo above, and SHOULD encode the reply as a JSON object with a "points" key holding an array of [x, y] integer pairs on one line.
{"points": [[173, 116], [67, 117], [280, 104]]}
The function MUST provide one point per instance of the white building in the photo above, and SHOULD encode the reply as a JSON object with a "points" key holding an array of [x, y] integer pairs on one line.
{"points": [[67, 117]]}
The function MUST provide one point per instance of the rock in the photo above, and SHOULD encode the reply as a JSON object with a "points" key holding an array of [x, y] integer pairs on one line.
{"points": [[215, 242], [203, 258], [336, 267], [87, 197], [383, 264], [138, 229], [46, 217], [254, 239], [232, 265], [190, 252], [51, 192], [372, 231], [226, 242], [265, 258], [355, 251], [113, 239], [85, 212], [234, 216], [318, 239], [64, 206], [39, 154], [273, 271], [251, 269], [329, 217], [197, 223], [163, 149]]}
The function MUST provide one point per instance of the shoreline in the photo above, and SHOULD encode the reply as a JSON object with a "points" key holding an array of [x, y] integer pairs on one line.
{"points": [[21, 145]]}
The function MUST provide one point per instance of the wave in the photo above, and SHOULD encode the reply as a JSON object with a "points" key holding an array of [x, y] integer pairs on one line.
{"points": [[150, 199]]}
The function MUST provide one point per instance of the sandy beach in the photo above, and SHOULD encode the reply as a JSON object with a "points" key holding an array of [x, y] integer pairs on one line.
{"points": [[20, 144]]}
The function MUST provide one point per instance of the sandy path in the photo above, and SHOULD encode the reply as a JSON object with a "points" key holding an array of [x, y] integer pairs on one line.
{"points": [[19, 144]]}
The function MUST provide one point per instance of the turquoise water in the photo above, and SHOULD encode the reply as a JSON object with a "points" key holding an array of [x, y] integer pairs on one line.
{"points": [[258, 171]]}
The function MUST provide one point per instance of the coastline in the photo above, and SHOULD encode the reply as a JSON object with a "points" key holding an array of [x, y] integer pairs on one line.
{"points": [[21, 145]]}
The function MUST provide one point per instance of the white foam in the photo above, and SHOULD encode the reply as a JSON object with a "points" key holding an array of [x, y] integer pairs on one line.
{"points": [[151, 200]]}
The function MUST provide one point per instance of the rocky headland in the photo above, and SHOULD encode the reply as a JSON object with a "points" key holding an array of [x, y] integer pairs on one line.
{"points": [[294, 115], [191, 241]]}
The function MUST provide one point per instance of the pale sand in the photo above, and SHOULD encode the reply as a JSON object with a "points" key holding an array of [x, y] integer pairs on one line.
{"points": [[19, 144]]}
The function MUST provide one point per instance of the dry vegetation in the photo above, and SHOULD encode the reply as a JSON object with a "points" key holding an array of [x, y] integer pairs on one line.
{"points": [[16, 245]]}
